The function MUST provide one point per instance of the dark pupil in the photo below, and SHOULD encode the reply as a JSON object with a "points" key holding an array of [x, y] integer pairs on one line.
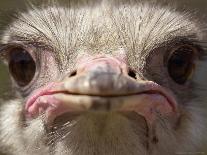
{"points": [[180, 65], [21, 66]]}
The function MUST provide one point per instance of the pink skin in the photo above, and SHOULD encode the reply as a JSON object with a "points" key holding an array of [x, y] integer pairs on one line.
{"points": [[151, 106], [117, 63], [49, 105], [42, 101], [37, 105], [40, 92]]}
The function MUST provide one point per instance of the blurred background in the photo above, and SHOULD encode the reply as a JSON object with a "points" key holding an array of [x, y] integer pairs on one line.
{"points": [[10, 7]]}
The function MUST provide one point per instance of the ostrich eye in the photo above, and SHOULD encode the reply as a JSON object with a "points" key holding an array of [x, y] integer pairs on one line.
{"points": [[21, 66], [181, 64]]}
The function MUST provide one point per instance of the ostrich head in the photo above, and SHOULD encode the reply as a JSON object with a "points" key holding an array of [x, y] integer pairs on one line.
{"points": [[104, 78]]}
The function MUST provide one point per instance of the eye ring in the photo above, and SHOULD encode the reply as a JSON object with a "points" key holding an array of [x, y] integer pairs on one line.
{"points": [[22, 66], [181, 63]]}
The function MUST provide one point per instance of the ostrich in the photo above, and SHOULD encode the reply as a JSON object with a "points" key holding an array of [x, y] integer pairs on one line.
{"points": [[104, 78]]}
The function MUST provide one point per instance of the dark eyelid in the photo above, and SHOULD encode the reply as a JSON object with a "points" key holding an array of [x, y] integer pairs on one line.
{"points": [[196, 44], [6, 48], [27, 45], [170, 46]]}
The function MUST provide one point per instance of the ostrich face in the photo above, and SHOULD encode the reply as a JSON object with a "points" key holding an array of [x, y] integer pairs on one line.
{"points": [[104, 79]]}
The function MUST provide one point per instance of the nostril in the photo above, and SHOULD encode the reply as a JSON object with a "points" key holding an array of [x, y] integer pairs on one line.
{"points": [[132, 74], [73, 73]]}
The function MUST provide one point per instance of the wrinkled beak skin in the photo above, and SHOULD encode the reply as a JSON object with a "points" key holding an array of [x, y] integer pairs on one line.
{"points": [[102, 84]]}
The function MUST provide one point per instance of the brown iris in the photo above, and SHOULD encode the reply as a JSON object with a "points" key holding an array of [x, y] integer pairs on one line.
{"points": [[21, 66], [181, 64]]}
